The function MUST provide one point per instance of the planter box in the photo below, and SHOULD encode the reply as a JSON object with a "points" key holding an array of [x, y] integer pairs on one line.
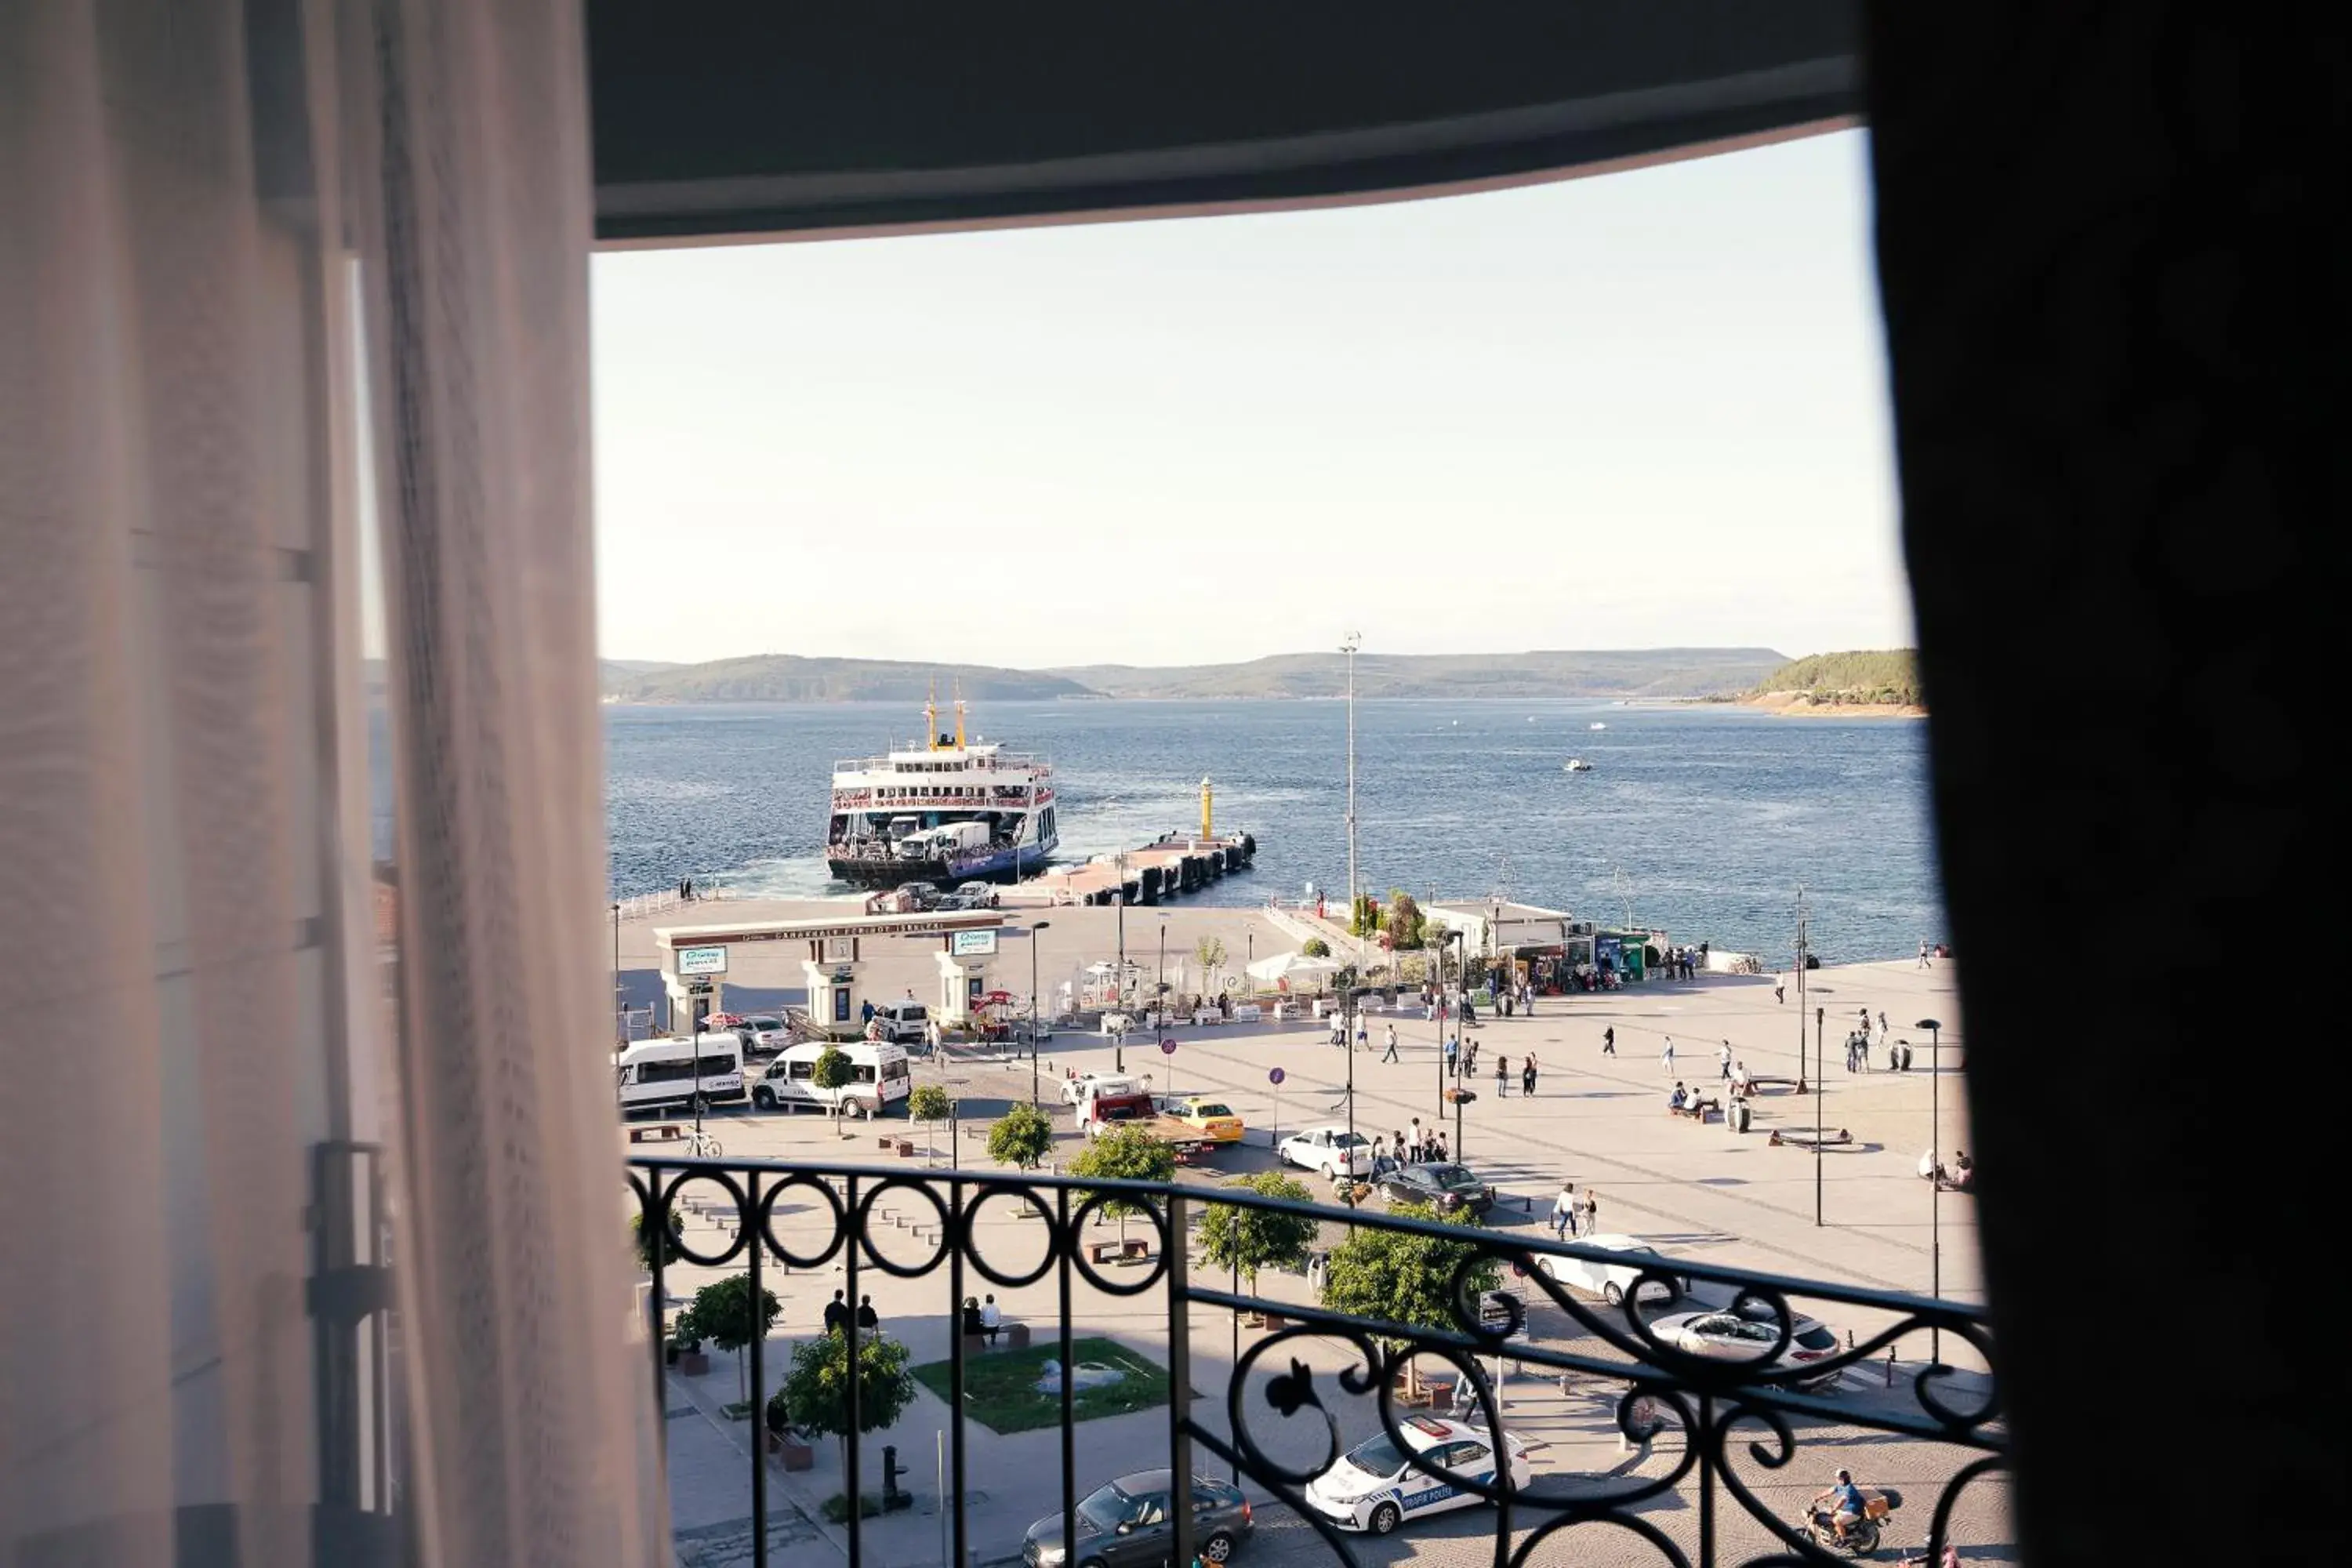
{"points": [[692, 1363], [790, 1453]]}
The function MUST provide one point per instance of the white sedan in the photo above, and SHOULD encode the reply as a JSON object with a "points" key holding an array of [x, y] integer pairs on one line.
{"points": [[1329, 1150], [1375, 1486], [1746, 1334], [1610, 1280]]}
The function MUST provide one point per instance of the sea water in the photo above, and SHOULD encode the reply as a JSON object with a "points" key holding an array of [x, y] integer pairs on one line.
{"points": [[1702, 819]]}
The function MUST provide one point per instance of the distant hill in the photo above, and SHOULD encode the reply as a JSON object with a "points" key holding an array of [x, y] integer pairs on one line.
{"points": [[1608, 672], [1868, 678], [787, 677]]}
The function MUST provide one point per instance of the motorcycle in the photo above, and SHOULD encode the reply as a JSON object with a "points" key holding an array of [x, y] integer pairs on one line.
{"points": [[1862, 1537]]}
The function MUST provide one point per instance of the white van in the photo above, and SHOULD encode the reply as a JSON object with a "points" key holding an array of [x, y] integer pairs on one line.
{"points": [[903, 1023], [699, 1073], [882, 1077]]}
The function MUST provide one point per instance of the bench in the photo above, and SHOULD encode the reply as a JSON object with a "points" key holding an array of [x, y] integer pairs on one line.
{"points": [[1115, 1251], [904, 1147], [659, 1132], [1807, 1141], [1698, 1108]]}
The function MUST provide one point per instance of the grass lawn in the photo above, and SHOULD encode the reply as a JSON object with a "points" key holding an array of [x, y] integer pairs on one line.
{"points": [[1000, 1387]]}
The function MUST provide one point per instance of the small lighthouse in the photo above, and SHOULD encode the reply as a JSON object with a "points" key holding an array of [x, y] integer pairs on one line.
{"points": [[1208, 831]]}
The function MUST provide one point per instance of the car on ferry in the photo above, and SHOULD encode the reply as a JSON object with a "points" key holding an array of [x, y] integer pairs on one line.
{"points": [[1213, 1117], [1376, 1487]]}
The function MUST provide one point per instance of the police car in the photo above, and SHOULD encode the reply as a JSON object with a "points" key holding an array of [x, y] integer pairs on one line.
{"points": [[1375, 1486]]}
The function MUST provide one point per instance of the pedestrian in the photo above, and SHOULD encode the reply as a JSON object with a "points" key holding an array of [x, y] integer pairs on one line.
{"points": [[1923, 953], [1502, 1078], [1528, 999], [1722, 1060], [1667, 1057], [1363, 1034], [1608, 1041], [1564, 1212], [1437, 1149], [1592, 1212], [1391, 1054], [1420, 1143], [837, 1312], [868, 1318], [1453, 1053], [1780, 988], [1527, 1076]]}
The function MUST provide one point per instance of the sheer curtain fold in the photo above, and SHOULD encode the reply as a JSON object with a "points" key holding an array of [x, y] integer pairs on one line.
{"points": [[188, 1003]]}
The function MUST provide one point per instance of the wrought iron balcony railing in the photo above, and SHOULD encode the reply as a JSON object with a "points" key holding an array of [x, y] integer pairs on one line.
{"points": [[1783, 1390]]}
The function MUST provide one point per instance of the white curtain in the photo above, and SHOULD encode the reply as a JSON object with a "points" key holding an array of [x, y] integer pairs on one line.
{"points": [[227, 226]]}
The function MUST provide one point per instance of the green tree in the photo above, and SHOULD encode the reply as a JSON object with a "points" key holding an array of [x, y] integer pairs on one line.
{"points": [[930, 1104], [1364, 919], [1021, 1137], [722, 1313], [1315, 947], [642, 1244], [1400, 1276], [1403, 921], [1209, 953], [832, 1073], [815, 1393], [1248, 1239], [1127, 1155]]}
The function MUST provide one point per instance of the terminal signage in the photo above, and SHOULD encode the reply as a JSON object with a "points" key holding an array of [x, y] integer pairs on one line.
{"points": [[703, 960], [972, 943]]}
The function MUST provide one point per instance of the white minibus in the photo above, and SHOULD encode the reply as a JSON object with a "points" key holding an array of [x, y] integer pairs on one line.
{"points": [[880, 1083], [699, 1073]]}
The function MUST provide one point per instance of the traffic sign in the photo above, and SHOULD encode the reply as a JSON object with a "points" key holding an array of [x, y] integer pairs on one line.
{"points": [[1274, 1076], [1167, 1048]]}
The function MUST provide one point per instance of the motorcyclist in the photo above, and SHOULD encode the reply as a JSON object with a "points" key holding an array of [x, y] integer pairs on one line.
{"points": [[1843, 1503]]}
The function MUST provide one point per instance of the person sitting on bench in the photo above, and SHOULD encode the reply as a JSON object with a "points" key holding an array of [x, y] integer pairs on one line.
{"points": [[973, 1327], [1678, 1101], [992, 1319]]}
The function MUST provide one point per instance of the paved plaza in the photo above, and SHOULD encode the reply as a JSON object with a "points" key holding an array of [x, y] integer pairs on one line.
{"points": [[1695, 1191]]}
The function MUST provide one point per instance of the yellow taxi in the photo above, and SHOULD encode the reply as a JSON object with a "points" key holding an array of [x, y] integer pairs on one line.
{"points": [[1215, 1118]]}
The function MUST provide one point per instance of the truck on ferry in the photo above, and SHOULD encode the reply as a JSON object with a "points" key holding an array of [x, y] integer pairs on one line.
{"points": [[947, 809]]}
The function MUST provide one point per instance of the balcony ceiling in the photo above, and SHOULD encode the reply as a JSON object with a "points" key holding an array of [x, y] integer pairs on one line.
{"points": [[715, 121]]}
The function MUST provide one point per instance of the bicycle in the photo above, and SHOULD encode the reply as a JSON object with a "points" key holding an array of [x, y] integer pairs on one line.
{"points": [[701, 1145]]}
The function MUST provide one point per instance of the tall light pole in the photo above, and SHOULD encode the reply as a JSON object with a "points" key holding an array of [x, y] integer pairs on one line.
{"points": [[1821, 1093], [1159, 977], [1803, 936], [1118, 1035], [1935, 1028], [620, 1014], [1041, 925], [1348, 645]]}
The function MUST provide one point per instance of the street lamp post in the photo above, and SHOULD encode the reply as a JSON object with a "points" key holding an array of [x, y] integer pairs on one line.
{"points": [[1041, 925], [1803, 934], [1820, 1092], [1348, 1004], [1935, 1028], [620, 1014], [1118, 1035], [1159, 977]]}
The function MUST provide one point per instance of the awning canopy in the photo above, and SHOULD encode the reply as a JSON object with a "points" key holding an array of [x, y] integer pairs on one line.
{"points": [[1293, 967], [730, 121]]}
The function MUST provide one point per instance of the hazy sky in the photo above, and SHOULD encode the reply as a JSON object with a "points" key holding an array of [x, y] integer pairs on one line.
{"points": [[1631, 411]]}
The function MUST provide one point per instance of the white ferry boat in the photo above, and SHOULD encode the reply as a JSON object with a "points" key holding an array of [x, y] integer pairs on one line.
{"points": [[949, 810]]}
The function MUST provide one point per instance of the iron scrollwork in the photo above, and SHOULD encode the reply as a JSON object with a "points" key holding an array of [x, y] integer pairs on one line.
{"points": [[1727, 1413]]}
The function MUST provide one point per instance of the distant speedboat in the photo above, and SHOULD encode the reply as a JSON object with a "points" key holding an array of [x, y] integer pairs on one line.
{"points": [[1597, 724], [1575, 765]]}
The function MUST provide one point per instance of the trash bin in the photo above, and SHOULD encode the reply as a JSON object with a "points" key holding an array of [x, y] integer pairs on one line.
{"points": [[1738, 1116]]}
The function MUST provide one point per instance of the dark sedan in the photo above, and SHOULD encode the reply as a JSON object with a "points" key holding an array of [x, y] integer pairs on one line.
{"points": [[1127, 1524], [1445, 1187]]}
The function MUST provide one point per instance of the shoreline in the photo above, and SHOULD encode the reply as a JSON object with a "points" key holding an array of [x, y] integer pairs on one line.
{"points": [[1798, 705]]}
